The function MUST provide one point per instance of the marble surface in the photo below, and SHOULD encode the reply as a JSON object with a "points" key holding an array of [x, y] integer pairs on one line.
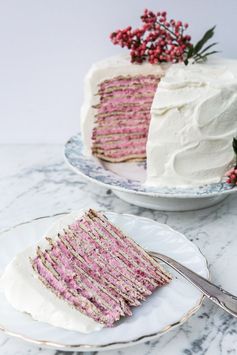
{"points": [[34, 181]]}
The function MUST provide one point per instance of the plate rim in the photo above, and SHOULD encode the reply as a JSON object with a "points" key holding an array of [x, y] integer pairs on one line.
{"points": [[112, 186], [118, 344]]}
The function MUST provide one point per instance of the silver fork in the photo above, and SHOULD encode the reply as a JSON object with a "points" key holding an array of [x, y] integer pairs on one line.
{"points": [[216, 294]]}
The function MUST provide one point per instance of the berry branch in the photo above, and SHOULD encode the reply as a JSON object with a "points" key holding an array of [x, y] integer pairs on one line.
{"points": [[231, 176], [232, 173], [234, 145], [159, 40]]}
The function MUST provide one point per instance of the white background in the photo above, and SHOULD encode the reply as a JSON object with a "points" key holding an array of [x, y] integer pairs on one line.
{"points": [[46, 47]]}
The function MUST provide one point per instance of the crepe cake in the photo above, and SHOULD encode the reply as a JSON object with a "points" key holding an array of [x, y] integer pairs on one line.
{"points": [[98, 270], [85, 278], [180, 119]]}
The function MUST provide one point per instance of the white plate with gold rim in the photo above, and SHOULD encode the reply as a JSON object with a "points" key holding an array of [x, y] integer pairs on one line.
{"points": [[126, 180], [167, 308]]}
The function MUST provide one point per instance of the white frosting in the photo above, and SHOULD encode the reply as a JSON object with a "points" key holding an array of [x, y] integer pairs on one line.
{"points": [[100, 71], [193, 118], [25, 292], [192, 125]]}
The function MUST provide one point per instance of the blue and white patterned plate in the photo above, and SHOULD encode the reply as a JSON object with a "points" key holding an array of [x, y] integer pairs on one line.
{"points": [[129, 177]]}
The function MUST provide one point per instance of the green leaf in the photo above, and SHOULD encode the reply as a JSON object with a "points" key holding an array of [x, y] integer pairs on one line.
{"points": [[200, 60], [209, 53], [208, 47], [190, 52], [207, 35], [203, 58], [234, 144]]}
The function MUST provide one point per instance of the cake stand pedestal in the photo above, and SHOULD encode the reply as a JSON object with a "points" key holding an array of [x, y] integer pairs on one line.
{"points": [[169, 203]]}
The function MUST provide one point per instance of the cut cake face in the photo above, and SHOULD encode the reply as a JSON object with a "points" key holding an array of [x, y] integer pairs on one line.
{"points": [[123, 117]]}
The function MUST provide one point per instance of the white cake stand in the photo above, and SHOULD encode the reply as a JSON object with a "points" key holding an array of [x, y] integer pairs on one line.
{"points": [[169, 204], [126, 181]]}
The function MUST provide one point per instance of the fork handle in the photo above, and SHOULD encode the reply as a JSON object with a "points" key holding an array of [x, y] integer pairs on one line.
{"points": [[216, 294]]}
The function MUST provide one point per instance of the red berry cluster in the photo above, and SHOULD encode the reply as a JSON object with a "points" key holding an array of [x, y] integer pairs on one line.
{"points": [[232, 176], [158, 40]]}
